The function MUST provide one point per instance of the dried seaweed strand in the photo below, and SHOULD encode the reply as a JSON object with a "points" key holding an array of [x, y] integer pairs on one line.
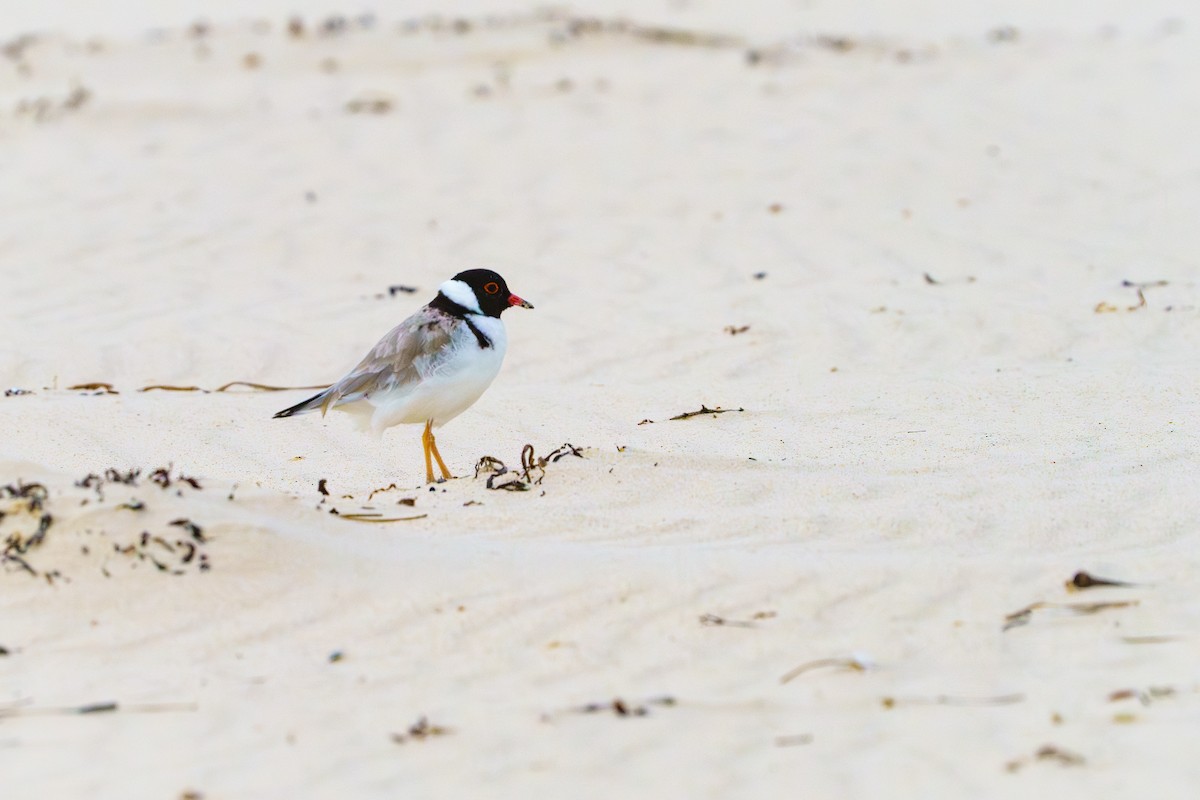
{"points": [[377, 518], [262, 387], [705, 410]]}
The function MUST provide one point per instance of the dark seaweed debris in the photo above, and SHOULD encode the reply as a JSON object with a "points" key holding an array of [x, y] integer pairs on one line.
{"points": [[1083, 580], [620, 708], [419, 731], [96, 388], [533, 468], [163, 477], [169, 554], [29, 500]]}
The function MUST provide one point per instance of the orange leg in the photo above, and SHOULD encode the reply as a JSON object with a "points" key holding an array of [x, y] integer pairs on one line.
{"points": [[433, 446], [427, 444]]}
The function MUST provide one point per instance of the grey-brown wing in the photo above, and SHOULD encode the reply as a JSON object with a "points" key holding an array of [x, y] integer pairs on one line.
{"points": [[405, 355]]}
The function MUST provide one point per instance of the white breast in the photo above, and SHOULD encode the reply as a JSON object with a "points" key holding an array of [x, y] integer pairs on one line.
{"points": [[452, 380]]}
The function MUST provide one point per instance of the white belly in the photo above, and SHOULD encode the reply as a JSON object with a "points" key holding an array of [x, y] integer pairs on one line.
{"points": [[452, 384]]}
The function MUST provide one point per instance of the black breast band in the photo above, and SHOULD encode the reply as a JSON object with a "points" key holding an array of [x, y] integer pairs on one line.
{"points": [[448, 306]]}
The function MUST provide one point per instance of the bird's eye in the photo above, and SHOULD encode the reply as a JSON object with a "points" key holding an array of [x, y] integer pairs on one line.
{"points": [[491, 288]]}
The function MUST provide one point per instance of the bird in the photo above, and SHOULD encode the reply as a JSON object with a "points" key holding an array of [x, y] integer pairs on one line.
{"points": [[432, 366]]}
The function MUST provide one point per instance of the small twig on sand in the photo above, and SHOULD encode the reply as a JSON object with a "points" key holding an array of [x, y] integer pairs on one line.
{"points": [[705, 410]]}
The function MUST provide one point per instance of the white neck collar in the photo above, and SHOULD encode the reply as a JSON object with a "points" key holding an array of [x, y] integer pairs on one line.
{"points": [[461, 293]]}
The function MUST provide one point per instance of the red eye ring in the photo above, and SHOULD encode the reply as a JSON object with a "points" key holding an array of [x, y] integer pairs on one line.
{"points": [[491, 287]]}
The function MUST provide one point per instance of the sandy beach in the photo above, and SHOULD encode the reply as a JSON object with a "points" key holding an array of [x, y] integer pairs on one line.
{"points": [[934, 267]]}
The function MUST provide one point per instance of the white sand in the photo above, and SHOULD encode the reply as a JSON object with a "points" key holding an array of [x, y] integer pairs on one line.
{"points": [[915, 460]]}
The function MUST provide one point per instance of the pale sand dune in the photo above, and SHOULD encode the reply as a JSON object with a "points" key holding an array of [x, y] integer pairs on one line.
{"points": [[916, 459]]}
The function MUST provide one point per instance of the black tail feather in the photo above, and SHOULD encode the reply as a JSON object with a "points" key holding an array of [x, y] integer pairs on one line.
{"points": [[303, 406]]}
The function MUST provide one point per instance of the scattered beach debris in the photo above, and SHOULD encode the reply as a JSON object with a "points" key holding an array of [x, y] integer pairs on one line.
{"points": [[103, 707], [1025, 615], [1104, 307], [858, 662], [533, 468], [25, 500], [419, 731], [932, 281], [954, 700], [183, 551], [15, 392], [1083, 580], [403, 501], [162, 477], [94, 388], [497, 468], [394, 290], [336, 656], [365, 513], [32, 495], [621, 708], [734, 330], [1144, 696], [192, 529], [166, 553], [715, 621], [705, 410], [1048, 752], [96, 482]]}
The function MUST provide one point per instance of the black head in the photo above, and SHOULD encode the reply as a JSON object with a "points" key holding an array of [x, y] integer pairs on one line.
{"points": [[491, 292]]}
